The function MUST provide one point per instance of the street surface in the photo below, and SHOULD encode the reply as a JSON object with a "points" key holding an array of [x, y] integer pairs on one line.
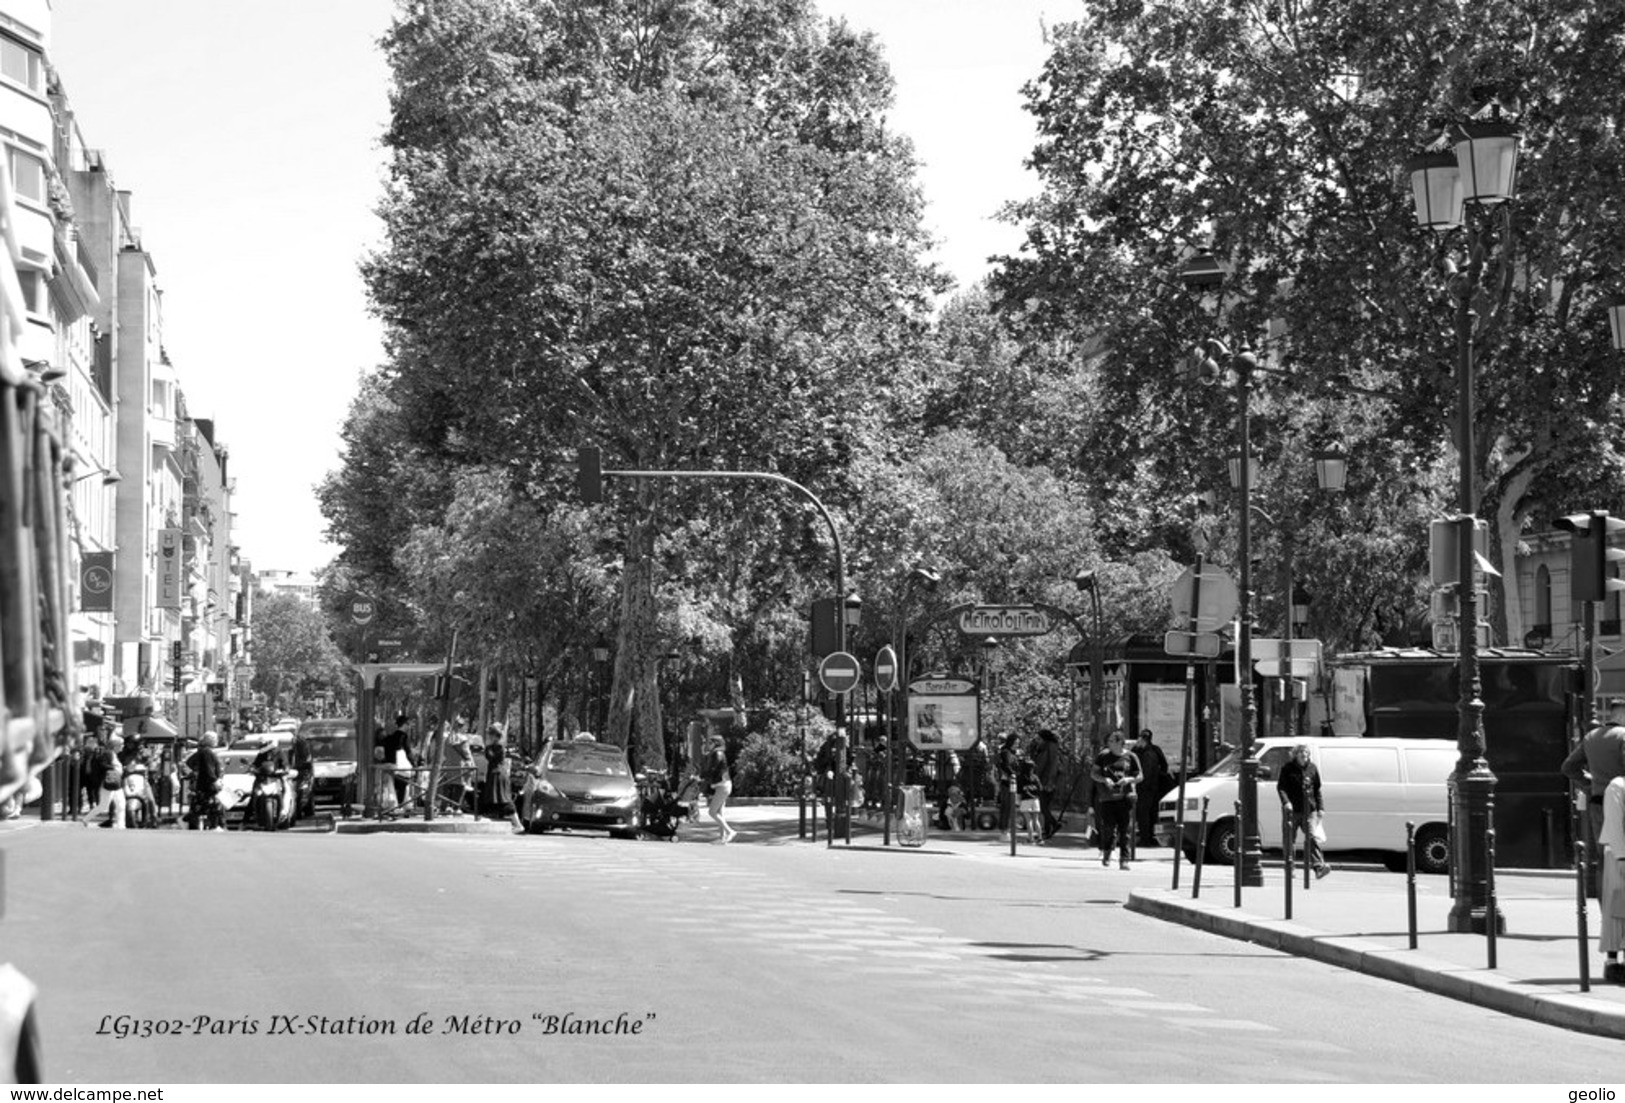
{"points": [[771, 959]]}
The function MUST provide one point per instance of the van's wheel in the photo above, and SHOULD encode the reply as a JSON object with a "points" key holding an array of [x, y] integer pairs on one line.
{"points": [[1222, 841], [1433, 849]]}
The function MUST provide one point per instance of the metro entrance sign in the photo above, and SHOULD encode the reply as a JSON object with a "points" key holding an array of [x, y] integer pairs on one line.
{"points": [[839, 672]]}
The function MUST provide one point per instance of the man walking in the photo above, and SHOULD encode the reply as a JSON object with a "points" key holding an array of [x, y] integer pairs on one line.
{"points": [[1115, 772], [1047, 765], [1299, 786], [1153, 778], [1598, 759]]}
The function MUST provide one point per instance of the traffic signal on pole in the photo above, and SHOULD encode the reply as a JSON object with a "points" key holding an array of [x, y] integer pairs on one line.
{"points": [[1590, 554], [1444, 546], [590, 475], [826, 627]]}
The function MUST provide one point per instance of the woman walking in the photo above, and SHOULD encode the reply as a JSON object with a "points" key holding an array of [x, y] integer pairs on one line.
{"points": [[496, 795], [718, 784]]}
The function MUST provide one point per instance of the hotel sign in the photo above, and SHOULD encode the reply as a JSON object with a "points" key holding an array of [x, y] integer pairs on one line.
{"points": [[170, 569], [1005, 620]]}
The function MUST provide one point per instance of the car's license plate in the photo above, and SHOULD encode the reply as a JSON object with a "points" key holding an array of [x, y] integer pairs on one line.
{"points": [[586, 809]]}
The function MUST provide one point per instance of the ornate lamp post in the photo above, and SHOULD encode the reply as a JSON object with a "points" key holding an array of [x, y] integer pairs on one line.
{"points": [[1480, 169]]}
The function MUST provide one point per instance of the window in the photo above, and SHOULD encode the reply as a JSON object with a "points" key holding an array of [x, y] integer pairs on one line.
{"points": [[33, 285], [28, 175], [1543, 595], [21, 64]]}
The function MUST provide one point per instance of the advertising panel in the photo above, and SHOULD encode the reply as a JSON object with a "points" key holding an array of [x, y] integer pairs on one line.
{"points": [[944, 714]]}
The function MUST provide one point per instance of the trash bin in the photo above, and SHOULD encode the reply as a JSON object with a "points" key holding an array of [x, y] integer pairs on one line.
{"points": [[913, 826]]}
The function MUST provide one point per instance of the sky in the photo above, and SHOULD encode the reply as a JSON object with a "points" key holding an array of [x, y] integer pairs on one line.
{"points": [[248, 133]]}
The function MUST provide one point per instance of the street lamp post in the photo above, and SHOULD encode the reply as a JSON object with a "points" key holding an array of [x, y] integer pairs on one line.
{"points": [[1480, 169], [1088, 581]]}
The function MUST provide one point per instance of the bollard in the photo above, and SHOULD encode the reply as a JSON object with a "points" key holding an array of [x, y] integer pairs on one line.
{"points": [[1011, 797], [1548, 830], [1580, 911], [1237, 864], [1490, 908], [1286, 856], [1201, 853], [1410, 877]]}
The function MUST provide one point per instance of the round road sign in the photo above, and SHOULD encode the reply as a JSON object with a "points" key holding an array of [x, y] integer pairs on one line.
{"points": [[886, 669], [839, 672]]}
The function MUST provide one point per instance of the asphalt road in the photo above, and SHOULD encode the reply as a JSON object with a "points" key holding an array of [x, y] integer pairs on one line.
{"points": [[243, 958]]}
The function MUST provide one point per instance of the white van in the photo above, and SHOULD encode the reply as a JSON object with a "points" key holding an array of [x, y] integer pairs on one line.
{"points": [[1370, 787]]}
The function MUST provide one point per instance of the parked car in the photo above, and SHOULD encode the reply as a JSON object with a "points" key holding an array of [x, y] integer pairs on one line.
{"points": [[1370, 786], [581, 784], [333, 751], [237, 788]]}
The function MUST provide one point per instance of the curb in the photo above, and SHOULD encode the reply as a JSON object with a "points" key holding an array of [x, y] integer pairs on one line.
{"points": [[1402, 965]]}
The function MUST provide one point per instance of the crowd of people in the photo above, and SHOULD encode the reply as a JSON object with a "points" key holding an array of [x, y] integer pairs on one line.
{"points": [[1114, 787]]}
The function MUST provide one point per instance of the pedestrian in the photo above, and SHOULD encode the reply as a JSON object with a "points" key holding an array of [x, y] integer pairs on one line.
{"points": [[1115, 772], [718, 784], [1597, 760], [1611, 883], [304, 774], [1153, 783], [497, 798], [1299, 787], [91, 765], [1027, 802], [1005, 763], [110, 794], [398, 757], [203, 767], [1046, 753]]}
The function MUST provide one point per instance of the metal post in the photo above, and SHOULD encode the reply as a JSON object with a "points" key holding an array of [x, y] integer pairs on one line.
{"points": [[1584, 941], [1286, 856], [1238, 864], [1201, 853], [1184, 768], [1410, 878], [801, 797], [1489, 873], [1249, 867], [1474, 791], [1010, 787]]}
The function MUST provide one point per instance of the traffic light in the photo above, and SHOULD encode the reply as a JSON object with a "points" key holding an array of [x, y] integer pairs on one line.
{"points": [[1444, 545], [590, 475], [826, 627], [1590, 554]]}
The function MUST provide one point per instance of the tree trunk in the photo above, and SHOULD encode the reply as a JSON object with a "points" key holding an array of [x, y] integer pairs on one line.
{"points": [[634, 707]]}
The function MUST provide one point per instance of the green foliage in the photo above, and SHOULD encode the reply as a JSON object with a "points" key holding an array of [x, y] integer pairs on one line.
{"points": [[1281, 128], [294, 656]]}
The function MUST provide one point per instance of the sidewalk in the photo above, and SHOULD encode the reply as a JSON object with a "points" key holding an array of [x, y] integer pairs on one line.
{"points": [[1357, 918]]}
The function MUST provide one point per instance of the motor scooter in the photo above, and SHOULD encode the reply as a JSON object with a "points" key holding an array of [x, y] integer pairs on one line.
{"points": [[266, 800], [138, 800]]}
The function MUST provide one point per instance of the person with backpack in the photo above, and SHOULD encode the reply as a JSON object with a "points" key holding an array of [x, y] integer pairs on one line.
{"points": [[718, 784], [1116, 772]]}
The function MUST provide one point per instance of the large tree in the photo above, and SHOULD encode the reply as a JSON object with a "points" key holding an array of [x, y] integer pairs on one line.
{"points": [[676, 230], [1278, 130], [294, 655]]}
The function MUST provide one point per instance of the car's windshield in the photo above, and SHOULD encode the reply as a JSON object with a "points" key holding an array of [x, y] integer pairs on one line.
{"points": [[237, 762], [1228, 766], [325, 748], [577, 760]]}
